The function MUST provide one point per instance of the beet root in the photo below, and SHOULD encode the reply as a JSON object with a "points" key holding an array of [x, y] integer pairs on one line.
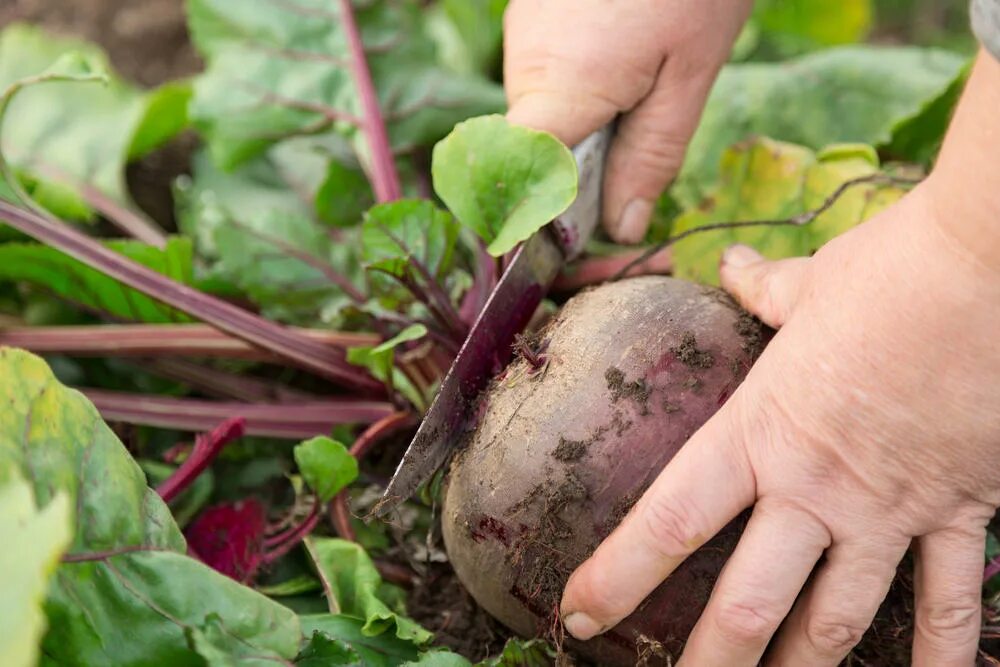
{"points": [[564, 448]]}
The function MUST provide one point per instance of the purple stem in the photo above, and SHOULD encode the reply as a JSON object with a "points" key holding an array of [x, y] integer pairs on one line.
{"points": [[374, 434], [485, 280], [385, 178], [992, 569], [206, 448], [283, 342], [217, 383], [281, 420], [160, 340], [296, 535], [125, 219]]}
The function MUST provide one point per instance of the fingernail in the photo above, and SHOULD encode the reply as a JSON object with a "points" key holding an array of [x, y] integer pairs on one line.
{"points": [[581, 626], [738, 256], [634, 220]]}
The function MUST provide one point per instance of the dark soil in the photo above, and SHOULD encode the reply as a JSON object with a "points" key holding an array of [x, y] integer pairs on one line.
{"points": [[636, 390], [568, 451], [441, 604], [689, 354]]}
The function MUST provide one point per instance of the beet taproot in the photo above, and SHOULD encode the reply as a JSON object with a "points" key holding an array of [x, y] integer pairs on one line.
{"points": [[564, 448]]}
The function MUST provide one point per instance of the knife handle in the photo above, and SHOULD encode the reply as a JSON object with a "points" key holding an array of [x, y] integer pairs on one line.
{"points": [[575, 227]]}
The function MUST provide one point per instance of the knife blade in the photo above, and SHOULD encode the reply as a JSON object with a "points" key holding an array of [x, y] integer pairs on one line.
{"points": [[487, 350]]}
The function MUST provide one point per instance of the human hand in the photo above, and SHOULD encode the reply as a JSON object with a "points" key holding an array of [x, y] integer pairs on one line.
{"points": [[870, 421], [572, 65]]}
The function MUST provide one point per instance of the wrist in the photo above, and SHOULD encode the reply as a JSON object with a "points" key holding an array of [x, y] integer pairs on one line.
{"points": [[962, 194]]}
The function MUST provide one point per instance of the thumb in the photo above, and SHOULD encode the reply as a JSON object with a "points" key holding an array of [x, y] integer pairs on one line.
{"points": [[768, 289]]}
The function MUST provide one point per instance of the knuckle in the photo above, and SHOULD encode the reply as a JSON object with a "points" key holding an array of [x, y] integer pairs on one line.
{"points": [[746, 625], [949, 622], [673, 530], [832, 635]]}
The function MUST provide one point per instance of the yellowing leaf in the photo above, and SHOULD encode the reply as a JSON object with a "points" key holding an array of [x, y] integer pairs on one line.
{"points": [[34, 541], [770, 180]]}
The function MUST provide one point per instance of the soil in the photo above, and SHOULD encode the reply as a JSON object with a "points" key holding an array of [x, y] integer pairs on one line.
{"points": [[689, 354], [636, 390], [441, 604]]}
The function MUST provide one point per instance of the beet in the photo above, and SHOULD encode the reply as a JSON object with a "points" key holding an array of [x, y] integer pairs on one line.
{"points": [[564, 448]]}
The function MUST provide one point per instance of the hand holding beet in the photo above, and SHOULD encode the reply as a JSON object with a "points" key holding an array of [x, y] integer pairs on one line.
{"points": [[871, 421]]}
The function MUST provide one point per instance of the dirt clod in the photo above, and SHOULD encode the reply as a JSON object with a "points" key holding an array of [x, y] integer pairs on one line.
{"points": [[752, 332], [568, 451], [637, 390], [689, 354]]}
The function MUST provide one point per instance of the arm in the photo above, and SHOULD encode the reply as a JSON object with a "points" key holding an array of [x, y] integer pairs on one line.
{"points": [[966, 179]]}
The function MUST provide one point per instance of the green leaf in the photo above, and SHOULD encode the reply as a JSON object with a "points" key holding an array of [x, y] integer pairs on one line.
{"points": [[439, 659], [56, 273], [258, 234], [325, 651], [191, 501], [326, 465], [395, 234], [770, 180], [292, 587], [76, 135], [352, 586], [522, 653], [857, 94], [384, 650], [130, 594], [380, 361], [468, 33], [796, 26], [165, 116], [275, 72], [344, 195], [35, 539], [219, 648], [503, 181]]}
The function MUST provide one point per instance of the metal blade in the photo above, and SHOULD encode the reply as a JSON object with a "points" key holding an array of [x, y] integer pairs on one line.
{"points": [[486, 351]]}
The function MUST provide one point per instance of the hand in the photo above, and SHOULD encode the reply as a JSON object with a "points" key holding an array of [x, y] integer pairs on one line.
{"points": [[572, 65], [871, 421]]}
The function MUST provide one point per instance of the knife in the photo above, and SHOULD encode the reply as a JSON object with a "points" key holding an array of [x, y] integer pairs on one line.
{"points": [[507, 312]]}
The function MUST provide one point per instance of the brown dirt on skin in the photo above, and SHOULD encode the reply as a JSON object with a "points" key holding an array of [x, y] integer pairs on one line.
{"points": [[637, 390], [569, 451], [752, 331], [689, 354]]}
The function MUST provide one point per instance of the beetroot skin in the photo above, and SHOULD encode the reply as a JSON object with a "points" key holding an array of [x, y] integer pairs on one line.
{"points": [[630, 370]]}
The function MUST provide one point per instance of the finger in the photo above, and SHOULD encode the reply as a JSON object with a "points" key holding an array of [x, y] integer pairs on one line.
{"points": [[706, 484], [768, 289], [758, 586], [948, 588], [838, 605], [649, 148], [571, 85]]}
